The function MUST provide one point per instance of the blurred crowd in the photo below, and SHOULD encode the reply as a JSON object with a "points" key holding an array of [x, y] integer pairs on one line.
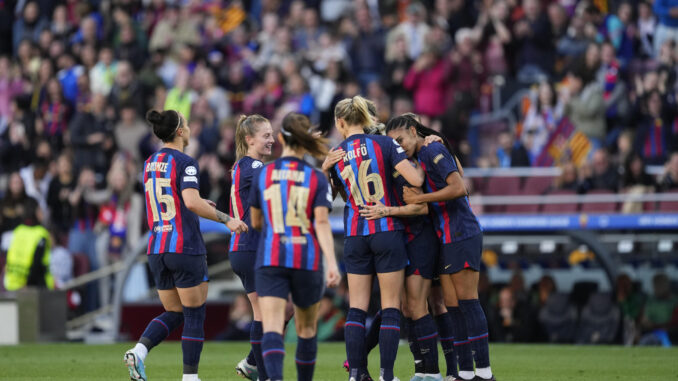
{"points": [[76, 78]]}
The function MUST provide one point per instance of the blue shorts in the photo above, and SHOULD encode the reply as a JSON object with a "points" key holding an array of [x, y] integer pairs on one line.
{"points": [[306, 286], [172, 270], [242, 263], [422, 253], [460, 255], [382, 252]]}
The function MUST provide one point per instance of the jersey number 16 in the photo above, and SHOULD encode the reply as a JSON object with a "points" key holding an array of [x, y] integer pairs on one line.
{"points": [[361, 187]]}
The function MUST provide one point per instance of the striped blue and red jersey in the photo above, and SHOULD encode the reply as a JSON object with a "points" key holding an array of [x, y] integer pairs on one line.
{"points": [[415, 224], [287, 190], [454, 220], [174, 228], [241, 185], [365, 173]]}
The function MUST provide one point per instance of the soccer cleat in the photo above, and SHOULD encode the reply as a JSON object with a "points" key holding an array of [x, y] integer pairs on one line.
{"points": [[433, 377], [394, 379], [452, 378], [417, 377], [478, 378], [245, 370], [363, 377], [346, 365], [135, 366]]}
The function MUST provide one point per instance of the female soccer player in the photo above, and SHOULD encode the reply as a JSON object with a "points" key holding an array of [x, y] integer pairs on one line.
{"points": [[290, 203], [461, 239], [253, 142], [176, 251], [365, 175]]}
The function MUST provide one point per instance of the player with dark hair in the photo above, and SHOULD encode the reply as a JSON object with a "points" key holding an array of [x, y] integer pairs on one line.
{"points": [[176, 251], [365, 175], [461, 242], [253, 142], [290, 202]]}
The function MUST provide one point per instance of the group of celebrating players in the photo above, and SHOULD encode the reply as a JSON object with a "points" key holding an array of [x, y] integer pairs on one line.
{"points": [[407, 220]]}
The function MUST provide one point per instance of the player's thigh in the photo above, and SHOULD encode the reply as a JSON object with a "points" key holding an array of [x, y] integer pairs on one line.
{"points": [[449, 291], [170, 300], [418, 289], [306, 320], [466, 284], [359, 290], [436, 300], [391, 288], [272, 313], [193, 296], [307, 287], [358, 258], [254, 301], [243, 263]]}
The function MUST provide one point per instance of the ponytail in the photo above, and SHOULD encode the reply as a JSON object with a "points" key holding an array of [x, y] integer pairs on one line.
{"points": [[411, 120], [247, 126], [354, 111], [375, 127], [297, 132]]}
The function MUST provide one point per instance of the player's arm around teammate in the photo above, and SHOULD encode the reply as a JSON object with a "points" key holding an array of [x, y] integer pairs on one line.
{"points": [[290, 202], [461, 238]]}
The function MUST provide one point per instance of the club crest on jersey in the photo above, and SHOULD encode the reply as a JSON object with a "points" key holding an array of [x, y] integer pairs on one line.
{"points": [[257, 164], [191, 171]]}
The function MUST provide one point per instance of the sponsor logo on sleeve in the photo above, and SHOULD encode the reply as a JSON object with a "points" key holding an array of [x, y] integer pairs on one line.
{"points": [[190, 179], [191, 170], [437, 158]]}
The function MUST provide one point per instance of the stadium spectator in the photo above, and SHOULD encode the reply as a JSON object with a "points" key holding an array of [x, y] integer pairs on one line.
{"points": [[603, 174], [631, 302], [427, 80], [14, 202], [365, 46], [541, 120], [646, 26], [29, 26], [130, 131], [511, 152], [511, 318], [535, 52], [91, 136], [667, 25], [584, 104], [655, 137], [61, 212], [568, 179], [36, 178], [11, 85], [240, 319]]}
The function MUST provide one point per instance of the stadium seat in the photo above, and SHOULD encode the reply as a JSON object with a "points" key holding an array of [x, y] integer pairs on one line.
{"points": [[537, 185], [599, 207], [668, 206], [599, 322], [558, 317], [560, 208], [501, 186]]}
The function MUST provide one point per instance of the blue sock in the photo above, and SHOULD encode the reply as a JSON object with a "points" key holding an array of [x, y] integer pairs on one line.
{"points": [[273, 351], [306, 353], [476, 324], [160, 327], [372, 335], [389, 336], [444, 323], [256, 335], [354, 335], [461, 344], [427, 337], [250, 356], [414, 347], [192, 337]]}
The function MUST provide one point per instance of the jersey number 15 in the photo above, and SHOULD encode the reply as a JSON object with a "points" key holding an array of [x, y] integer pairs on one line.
{"points": [[156, 196]]}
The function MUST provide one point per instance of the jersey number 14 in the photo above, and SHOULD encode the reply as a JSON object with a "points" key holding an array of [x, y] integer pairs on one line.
{"points": [[297, 201]]}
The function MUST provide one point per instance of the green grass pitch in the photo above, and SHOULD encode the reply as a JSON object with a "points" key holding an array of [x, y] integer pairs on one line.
{"points": [[509, 362]]}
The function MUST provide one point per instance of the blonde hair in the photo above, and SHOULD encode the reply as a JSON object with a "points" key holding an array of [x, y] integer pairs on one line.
{"points": [[247, 126], [354, 111]]}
